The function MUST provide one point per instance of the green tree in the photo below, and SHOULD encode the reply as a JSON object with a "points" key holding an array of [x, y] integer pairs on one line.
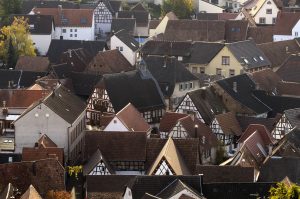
{"points": [[220, 154], [183, 9], [8, 7], [15, 41], [283, 191]]}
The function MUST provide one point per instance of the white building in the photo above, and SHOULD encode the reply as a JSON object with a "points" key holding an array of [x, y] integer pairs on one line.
{"points": [[71, 24], [287, 26], [206, 7], [126, 44], [61, 116], [162, 25]]}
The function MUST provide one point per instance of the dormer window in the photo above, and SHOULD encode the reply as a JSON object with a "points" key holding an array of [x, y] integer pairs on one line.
{"points": [[261, 58], [269, 2]]}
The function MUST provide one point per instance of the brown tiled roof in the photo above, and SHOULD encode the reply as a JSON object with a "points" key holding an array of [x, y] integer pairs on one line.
{"points": [[195, 30], [107, 62], [46, 142], [269, 123], [236, 30], [261, 34], [266, 80], [278, 52], [288, 88], [116, 146], [78, 59], [106, 186], [171, 154], [290, 70], [154, 23], [212, 173], [188, 148], [169, 120], [68, 17], [31, 193], [229, 123], [32, 154], [133, 119], [37, 64], [263, 132], [19, 98], [285, 22], [44, 175], [227, 16]]}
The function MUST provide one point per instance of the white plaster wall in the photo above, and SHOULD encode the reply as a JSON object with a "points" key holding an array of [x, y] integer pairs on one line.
{"points": [[209, 8], [30, 128], [296, 29], [83, 33], [141, 31], [116, 125], [262, 12], [129, 173], [104, 27], [160, 28], [180, 93], [127, 194], [185, 192], [80, 135], [282, 37], [41, 42], [127, 52]]}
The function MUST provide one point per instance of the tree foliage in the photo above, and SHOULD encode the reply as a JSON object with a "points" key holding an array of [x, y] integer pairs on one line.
{"points": [[220, 154], [282, 191], [15, 41], [8, 7], [183, 9], [58, 195], [74, 170]]}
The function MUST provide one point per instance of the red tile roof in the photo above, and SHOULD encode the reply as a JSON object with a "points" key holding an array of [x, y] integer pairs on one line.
{"points": [[263, 132], [68, 17], [229, 123], [285, 22], [169, 120]]}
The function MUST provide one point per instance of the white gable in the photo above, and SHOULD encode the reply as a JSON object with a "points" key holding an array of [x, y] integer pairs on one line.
{"points": [[178, 131], [116, 125], [209, 8]]}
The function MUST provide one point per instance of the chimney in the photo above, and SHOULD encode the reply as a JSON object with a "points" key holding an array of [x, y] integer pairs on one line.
{"points": [[234, 86], [36, 145], [117, 14], [70, 52], [270, 149], [201, 184], [4, 103], [9, 84]]}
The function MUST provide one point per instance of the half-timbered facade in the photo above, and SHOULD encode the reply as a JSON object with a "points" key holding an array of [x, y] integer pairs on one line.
{"points": [[216, 128], [187, 106], [103, 18], [178, 131], [284, 125]]}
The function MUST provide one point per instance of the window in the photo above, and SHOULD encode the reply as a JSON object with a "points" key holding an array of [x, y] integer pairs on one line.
{"points": [[225, 60], [64, 30], [120, 48], [194, 70], [75, 30], [262, 20], [71, 30], [75, 35], [191, 85], [202, 70], [269, 2], [268, 11], [274, 20], [231, 72], [261, 58], [186, 86], [180, 87], [235, 5], [218, 71], [296, 34], [71, 35]]}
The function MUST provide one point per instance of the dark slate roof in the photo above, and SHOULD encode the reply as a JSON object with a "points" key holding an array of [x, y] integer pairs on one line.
{"points": [[115, 5], [77, 58], [27, 6], [176, 187], [203, 52], [269, 123], [21, 79], [293, 116], [247, 50], [62, 71], [245, 87], [278, 104], [141, 17], [126, 24], [236, 30], [128, 40], [116, 146], [214, 173], [168, 72], [107, 186], [207, 101], [290, 71], [237, 190], [154, 184], [57, 47], [171, 48], [65, 104], [39, 24], [84, 83], [137, 87], [277, 168], [195, 30]]}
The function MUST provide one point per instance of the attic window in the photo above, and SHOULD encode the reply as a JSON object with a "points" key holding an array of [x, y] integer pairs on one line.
{"points": [[269, 2], [261, 58], [83, 20]]}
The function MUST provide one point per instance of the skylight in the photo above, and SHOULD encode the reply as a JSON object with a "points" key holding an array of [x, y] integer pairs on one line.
{"points": [[261, 58], [246, 61]]}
